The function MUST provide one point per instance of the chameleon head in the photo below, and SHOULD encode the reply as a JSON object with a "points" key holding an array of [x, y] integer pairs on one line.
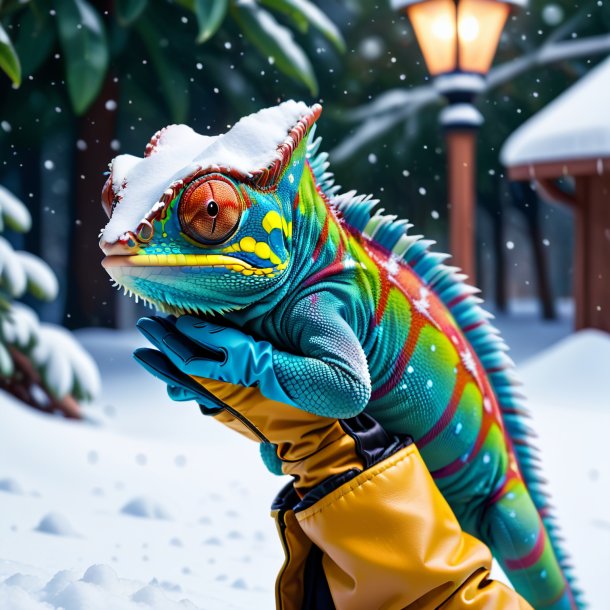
{"points": [[204, 223]]}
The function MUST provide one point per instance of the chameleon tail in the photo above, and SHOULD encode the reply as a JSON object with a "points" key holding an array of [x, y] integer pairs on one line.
{"points": [[513, 528], [530, 493], [448, 283], [491, 351]]}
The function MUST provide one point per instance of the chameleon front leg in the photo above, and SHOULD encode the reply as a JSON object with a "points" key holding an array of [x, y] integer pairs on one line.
{"points": [[327, 369], [327, 374]]}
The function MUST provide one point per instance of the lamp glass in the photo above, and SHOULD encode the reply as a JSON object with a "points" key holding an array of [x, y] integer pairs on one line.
{"points": [[480, 24], [434, 23]]}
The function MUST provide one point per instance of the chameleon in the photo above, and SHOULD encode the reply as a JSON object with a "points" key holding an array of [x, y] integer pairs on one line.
{"points": [[355, 311]]}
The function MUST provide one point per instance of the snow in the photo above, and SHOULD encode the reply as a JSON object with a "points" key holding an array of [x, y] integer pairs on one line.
{"points": [[66, 367], [251, 144], [13, 212], [461, 115], [568, 387], [56, 524], [41, 280], [12, 275], [573, 126], [137, 445], [10, 486], [21, 327], [147, 508], [220, 550]]}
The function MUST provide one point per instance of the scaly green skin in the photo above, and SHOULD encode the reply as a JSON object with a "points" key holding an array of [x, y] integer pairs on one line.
{"points": [[359, 326]]}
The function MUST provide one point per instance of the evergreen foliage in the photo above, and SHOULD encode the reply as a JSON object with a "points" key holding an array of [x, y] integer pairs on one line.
{"points": [[41, 364]]}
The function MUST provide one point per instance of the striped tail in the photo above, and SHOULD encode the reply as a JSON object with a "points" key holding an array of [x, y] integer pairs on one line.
{"points": [[542, 571], [448, 283]]}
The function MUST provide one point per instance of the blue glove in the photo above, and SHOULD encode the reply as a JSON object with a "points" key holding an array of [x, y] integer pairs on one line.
{"points": [[201, 349], [180, 386]]}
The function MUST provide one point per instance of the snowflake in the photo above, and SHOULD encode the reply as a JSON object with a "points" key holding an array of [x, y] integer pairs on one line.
{"points": [[468, 362], [422, 305], [487, 404], [349, 262], [392, 266]]}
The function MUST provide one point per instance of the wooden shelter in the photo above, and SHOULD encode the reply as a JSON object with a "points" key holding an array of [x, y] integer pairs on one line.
{"points": [[571, 137]]}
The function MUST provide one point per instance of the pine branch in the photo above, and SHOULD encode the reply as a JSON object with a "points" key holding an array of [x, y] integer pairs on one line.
{"points": [[26, 385]]}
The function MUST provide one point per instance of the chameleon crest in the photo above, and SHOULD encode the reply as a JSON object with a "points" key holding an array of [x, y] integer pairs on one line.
{"points": [[210, 217]]}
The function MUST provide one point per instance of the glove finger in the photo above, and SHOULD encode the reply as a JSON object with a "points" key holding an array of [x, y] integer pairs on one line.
{"points": [[161, 367], [154, 329], [186, 355], [209, 335], [181, 394], [190, 357]]}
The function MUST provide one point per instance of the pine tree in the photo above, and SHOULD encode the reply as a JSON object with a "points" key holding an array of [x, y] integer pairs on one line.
{"points": [[42, 365]]}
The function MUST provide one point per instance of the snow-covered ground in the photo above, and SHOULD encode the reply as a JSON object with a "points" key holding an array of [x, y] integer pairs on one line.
{"points": [[153, 506]]}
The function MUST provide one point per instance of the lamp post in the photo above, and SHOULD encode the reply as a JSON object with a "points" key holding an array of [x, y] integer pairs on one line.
{"points": [[458, 39]]}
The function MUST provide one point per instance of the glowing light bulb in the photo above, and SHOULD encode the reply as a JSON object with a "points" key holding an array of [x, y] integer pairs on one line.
{"points": [[468, 28], [442, 27]]}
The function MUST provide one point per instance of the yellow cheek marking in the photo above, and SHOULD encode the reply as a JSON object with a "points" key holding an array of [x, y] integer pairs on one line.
{"points": [[272, 221], [262, 250], [247, 244]]}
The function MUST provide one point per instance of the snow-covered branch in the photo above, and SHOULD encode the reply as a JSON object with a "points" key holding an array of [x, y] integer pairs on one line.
{"points": [[381, 115], [401, 105], [548, 54], [41, 364]]}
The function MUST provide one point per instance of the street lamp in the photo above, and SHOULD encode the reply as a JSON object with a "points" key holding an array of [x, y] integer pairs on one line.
{"points": [[458, 39]]}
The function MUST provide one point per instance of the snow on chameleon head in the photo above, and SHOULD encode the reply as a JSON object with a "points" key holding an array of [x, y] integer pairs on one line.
{"points": [[204, 223]]}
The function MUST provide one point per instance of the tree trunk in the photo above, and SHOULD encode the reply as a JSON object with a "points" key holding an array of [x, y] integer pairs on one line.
{"points": [[545, 294], [526, 200], [90, 295], [31, 182]]}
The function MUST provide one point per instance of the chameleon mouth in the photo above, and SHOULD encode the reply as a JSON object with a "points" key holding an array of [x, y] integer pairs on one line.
{"points": [[219, 261]]}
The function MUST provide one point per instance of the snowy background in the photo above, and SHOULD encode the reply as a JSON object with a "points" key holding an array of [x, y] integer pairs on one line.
{"points": [[149, 505]]}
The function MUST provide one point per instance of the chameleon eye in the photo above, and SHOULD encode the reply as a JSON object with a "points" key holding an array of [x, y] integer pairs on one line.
{"points": [[209, 210]]}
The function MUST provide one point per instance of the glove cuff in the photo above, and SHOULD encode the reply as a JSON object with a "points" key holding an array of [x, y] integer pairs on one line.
{"points": [[416, 556]]}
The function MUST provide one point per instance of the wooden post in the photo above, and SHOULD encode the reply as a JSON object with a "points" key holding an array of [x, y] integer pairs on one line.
{"points": [[579, 273], [592, 252], [591, 204], [461, 161]]}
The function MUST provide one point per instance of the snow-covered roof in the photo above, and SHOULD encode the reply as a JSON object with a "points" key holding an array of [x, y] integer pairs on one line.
{"points": [[250, 145], [576, 125]]}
